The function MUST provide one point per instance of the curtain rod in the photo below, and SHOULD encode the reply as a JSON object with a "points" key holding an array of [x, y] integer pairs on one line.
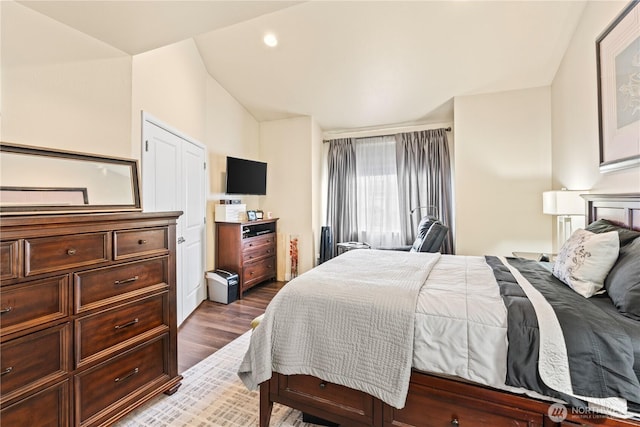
{"points": [[383, 132]]}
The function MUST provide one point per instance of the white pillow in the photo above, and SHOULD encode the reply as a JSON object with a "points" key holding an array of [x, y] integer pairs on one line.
{"points": [[585, 260]]}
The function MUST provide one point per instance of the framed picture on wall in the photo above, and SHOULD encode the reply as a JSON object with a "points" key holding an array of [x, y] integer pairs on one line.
{"points": [[618, 69]]}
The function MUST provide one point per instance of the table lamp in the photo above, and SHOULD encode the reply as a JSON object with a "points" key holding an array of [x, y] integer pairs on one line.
{"points": [[564, 204]]}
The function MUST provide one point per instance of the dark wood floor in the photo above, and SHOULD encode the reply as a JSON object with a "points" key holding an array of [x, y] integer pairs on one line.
{"points": [[213, 325]]}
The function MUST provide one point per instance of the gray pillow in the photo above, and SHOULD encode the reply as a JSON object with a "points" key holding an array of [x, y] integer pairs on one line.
{"points": [[603, 226], [623, 281]]}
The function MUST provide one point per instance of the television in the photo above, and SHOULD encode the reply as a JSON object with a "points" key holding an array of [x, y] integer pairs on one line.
{"points": [[246, 177]]}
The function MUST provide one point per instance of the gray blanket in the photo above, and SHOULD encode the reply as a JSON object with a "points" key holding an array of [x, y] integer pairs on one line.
{"points": [[594, 358], [355, 330]]}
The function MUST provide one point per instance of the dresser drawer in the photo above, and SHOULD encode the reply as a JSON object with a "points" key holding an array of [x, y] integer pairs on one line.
{"points": [[446, 408], [109, 285], [110, 383], [33, 303], [34, 360], [132, 243], [255, 272], [258, 252], [48, 408], [9, 260], [47, 254], [259, 241], [100, 332], [346, 402]]}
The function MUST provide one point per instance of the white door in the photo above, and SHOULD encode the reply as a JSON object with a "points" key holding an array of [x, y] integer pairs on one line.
{"points": [[193, 228], [173, 179]]}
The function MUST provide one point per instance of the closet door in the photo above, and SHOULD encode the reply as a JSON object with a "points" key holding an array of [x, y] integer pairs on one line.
{"points": [[193, 228], [173, 179]]}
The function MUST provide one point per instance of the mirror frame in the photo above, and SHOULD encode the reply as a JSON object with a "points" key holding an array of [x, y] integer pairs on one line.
{"points": [[6, 147]]}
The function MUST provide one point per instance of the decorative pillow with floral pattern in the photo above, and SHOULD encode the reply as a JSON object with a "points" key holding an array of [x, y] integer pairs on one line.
{"points": [[585, 260]]}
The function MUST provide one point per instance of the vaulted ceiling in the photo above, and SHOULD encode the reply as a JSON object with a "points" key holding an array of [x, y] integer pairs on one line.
{"points": [[349, 64]]}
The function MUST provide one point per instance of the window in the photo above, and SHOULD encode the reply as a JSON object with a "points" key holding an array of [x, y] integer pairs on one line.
{"points": [[375, 184], [377, 192]]}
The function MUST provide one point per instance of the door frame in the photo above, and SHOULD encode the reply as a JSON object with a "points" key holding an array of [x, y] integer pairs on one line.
{"points": [[147, 117]]}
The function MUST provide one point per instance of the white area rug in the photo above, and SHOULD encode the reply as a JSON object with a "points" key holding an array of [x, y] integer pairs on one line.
{"points": [[212, 395]]}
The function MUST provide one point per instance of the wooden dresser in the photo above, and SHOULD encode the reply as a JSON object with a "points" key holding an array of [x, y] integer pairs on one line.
{"points": [[249, 249], [88, 316]]}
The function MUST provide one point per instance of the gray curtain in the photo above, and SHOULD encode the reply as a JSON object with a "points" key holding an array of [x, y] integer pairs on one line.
{"points": [[424, 181], [342, 195]]}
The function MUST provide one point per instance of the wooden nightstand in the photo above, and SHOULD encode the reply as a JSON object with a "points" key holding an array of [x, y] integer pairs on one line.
{"points": [[536, 256]]}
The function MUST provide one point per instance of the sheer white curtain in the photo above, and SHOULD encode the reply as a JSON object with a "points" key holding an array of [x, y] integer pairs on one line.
{"points": [[377, 192]]}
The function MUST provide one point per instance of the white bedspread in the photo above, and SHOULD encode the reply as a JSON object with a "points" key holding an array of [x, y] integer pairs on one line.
{"points": [[436, 313], [461, 322], [355, 330]]}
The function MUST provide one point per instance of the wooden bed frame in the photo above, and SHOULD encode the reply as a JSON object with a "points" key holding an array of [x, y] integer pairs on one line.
{"points": [[435, 400]]}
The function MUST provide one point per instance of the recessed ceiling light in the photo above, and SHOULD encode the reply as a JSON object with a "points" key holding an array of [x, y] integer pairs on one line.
{"points": [[270, 40]]}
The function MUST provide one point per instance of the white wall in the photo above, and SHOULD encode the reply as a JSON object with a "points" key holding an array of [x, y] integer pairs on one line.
{"points": [[170, 83], [286, 145], [502, 166], [61, 88], [575, 111], [1, 70], [230, 131], [65, 90], [184, 96]]}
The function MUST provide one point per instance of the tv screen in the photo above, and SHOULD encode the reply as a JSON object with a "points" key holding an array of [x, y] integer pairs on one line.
{"points": [[246, 177]]}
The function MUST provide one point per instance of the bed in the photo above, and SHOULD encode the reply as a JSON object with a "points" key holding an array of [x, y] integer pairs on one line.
{"points": [[443, 390]]}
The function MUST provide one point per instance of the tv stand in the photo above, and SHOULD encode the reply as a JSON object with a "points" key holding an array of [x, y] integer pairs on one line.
{"points": [[249, 249]]}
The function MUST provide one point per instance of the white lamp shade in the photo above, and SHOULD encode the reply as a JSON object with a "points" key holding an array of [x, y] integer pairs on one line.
{"points": [[564, 202]]}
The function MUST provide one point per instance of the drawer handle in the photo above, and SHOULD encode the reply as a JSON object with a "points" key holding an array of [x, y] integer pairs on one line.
{"points": [[268, 251], [6, 310], [142, 242], [129, 375], [323, 385], [455, 422], [126, 325], [122, 282], [71, 251], [7, 371]]}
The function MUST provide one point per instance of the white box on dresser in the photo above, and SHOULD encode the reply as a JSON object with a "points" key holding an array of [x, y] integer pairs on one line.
{"points": [[231, 212]]}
